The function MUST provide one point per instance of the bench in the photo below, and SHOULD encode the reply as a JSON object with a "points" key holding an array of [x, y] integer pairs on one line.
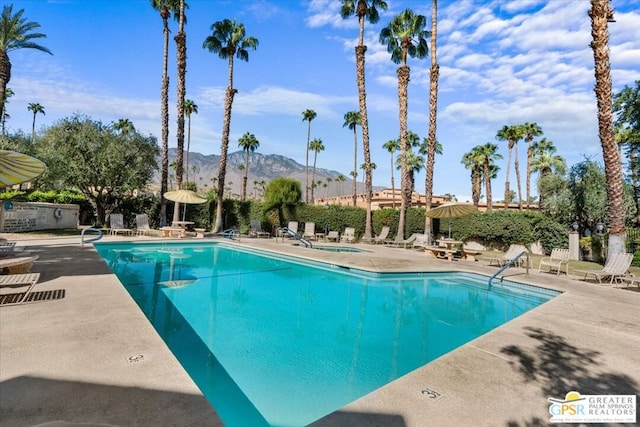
{"points": [[470, 254], [200, 232], [440, 252], [169, 231]]}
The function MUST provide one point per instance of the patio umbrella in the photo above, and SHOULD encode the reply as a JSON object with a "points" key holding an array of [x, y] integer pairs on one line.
{"points": [[451, 210], [16, 168], [186, 197]]}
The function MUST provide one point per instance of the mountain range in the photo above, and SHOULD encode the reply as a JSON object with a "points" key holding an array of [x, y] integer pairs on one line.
{"points": [[262, 169]]}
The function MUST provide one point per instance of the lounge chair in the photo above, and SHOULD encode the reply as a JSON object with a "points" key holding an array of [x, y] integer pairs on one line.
{"points": [[309, 230], [17, 265], [255, 229], [382, 237], [349, 235], [420, 242], [116, 225], [557, 259], [616, 267], [142, 225], [630, 280], [333, 236], [13, 281], [405, 243], [510, 254]]}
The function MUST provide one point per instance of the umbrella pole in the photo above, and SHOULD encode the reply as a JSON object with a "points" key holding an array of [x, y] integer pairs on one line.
{"points": [[184, 211], [449, 227]]}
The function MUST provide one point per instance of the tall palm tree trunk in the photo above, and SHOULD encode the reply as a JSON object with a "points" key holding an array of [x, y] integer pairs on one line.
{"points": [[507, 190], [164, 94], [487, 185], [5, 76], [516, 166], [601, 13], [393, 185], [433, 110], [226, 127], [364, 123], [306, 186], [245, 178], [181, 47], [403, 83], [355, 166], [313, 177], [188, 148], [529, 156]]}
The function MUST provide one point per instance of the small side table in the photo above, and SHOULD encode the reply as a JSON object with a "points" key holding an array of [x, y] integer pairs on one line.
{"points": [[319, 236]]}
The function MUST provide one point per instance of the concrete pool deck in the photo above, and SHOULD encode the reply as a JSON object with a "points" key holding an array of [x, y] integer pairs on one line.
{"points": [[92, 357]]}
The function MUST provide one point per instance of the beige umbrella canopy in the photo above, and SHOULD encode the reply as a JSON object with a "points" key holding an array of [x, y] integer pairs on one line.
{"points": [[451, 210], [16, 168], [184, 196]]}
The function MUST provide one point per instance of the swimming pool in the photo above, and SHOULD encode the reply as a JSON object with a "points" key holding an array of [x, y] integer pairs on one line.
{"points": [[275, 340]]}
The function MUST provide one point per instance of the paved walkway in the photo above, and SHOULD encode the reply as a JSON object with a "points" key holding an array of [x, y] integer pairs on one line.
{"points": [[92, 357]]}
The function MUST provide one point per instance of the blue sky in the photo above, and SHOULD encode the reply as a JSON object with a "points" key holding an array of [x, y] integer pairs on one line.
{"points": [[501, 62]]}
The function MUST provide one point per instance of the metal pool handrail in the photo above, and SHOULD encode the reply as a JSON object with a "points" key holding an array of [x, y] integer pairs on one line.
{"points": [[291, 233], [90, 239], [509, 264]]}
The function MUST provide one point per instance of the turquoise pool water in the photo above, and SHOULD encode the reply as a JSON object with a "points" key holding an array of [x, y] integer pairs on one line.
{"points": [[274, 340]]}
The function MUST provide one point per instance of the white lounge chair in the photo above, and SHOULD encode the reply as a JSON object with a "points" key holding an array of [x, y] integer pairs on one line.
{"points": [[406, 243], [616, 267], [309, 230], [142, 225], [382, 237], [349, 235], [255, 229], [557, 259], [14, 281], [116, 225], [511, 253], [421, 242]]}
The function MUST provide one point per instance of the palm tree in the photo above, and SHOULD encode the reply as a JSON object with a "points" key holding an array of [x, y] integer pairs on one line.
{"points": [[8, 93], [307, 115], [351, 120], [125, 126], [368, 10], [474, 161], [511, 134], [35, 108], [531, 130], [181, 62], [415, 163], [190, 107], [341, 179], [433, 109], [601, 14], [545, 162], [392, 146], [228, 39], [489, 169], [404, 36], [165, 7], [15, 33], [315, 146], [249, 143]]}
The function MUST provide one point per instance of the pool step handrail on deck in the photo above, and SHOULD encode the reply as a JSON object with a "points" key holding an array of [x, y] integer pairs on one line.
{"points": [[509, 264], [95, 237], [286, 231]]}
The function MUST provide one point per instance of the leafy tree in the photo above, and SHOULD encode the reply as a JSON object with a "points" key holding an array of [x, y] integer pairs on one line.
{"points": [[368, 10], [316, 146], [308, 116], [15, 33], [35, 108], [627, 104], [281, 194], [249, 143], [228, 39], [351, 120], [404, 36], [97, 160], [601, 13], [165, 7], [8, 93], [190, 108]]}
